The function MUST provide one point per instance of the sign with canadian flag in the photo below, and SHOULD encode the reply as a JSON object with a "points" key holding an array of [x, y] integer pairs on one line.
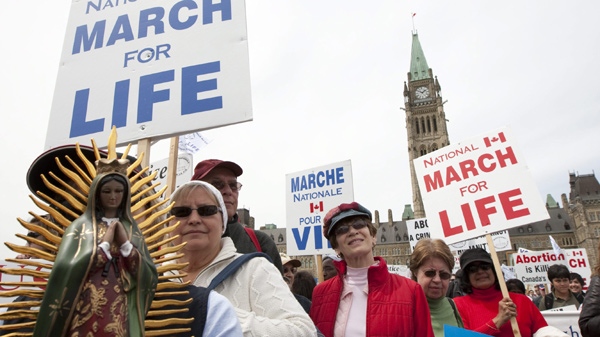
{"points": [[476, 187], [309, 195]]}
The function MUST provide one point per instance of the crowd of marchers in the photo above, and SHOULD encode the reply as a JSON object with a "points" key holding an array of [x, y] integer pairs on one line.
{"points": [[253, 290]]}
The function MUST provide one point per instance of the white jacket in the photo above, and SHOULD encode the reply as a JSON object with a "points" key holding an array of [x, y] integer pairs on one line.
{"points": [[262, 300]]}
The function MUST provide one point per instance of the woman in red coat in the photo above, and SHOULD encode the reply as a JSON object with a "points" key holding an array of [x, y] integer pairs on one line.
{"points": [[484, 309], [394, 305]]}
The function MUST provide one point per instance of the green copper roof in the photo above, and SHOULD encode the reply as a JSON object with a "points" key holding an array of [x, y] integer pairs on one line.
{"points": [[408, 213], [418, 64], [550, 202]]}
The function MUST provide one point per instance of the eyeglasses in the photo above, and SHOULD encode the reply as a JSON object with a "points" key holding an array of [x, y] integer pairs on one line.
{"points": [[184, 212], [444, 275], [220, 185], [483, 266], [345, 228], [287, 270]]}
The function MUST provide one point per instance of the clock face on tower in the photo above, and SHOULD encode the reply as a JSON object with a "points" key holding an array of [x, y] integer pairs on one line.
{"points": [[422, 92]]}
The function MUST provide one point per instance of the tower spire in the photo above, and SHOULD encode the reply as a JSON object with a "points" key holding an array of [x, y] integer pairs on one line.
{"points": [[419, 69]]}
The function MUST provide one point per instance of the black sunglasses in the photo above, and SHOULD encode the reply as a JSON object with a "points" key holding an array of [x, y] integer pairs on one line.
{"points": [[184, 212], [443, 274], [483, 266], [343, 229]]}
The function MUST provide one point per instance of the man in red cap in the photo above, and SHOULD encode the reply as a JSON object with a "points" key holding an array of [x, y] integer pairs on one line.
{"points": [[223, 176]]}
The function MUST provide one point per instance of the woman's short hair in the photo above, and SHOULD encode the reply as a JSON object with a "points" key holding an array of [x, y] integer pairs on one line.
{"points": [[515, 286], [304, 283], [576, 276], [429, 248]]}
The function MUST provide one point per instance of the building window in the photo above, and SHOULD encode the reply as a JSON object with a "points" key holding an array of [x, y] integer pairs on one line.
{"points": [[559, 216], [548, 228], [417, 126], [529, 229], [434, 125], [597, 232], [567, 226], [592, 216], [428, 125], [521, 230]]}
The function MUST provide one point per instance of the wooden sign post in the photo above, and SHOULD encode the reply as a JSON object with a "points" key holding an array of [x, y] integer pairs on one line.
{"points": [[498, 269]]}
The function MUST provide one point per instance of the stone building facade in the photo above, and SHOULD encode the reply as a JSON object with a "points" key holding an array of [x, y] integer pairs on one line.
{"points": [[583, 206]]}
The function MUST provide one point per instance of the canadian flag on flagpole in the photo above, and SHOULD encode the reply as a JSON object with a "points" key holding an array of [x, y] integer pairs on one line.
{"points": [[316, 207]]}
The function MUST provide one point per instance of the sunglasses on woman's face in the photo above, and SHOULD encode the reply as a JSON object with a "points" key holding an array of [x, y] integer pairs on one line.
{"points": [[184, 212], [444, 275], [343, 229], [475, 267]]}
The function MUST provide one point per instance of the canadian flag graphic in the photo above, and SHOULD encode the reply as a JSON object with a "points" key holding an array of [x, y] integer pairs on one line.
{"points": [[488, 141], [316, 207]]}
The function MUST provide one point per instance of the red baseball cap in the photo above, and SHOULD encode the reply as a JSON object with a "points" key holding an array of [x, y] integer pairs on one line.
{"points": [[204, 167]]}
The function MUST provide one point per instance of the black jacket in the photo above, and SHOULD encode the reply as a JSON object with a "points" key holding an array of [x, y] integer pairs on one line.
{"points": [[589, 319]]}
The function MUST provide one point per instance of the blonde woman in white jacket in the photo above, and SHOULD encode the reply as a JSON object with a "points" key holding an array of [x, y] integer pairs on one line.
{"points": [[263, 302]]}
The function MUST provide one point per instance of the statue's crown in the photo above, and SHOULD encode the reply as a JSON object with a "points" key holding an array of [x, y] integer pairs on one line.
{"points": [[112, 166]]}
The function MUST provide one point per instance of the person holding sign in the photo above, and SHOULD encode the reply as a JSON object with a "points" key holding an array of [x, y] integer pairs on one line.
{"points": [[431, 266], [364, 299], [483, 308]]}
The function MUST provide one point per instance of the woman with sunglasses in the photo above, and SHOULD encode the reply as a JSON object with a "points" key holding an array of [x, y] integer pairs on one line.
{"points": [[263, 302], [431, 265], [484, 309], [364, 299]]}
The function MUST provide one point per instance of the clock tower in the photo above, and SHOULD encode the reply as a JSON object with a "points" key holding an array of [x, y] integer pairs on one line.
{"points": [[425, 118]]}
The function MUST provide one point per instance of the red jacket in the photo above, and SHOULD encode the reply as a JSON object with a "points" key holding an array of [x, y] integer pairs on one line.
{"points": [[396, 305], [479, 308]]}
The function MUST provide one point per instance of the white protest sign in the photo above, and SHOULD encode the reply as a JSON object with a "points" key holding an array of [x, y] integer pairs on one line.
{"points": [[152, 68], [399, 269], [565, 321], [309, 195], [418, 229], [477, 187], [501, 243], [532, 267], [184, 170]]}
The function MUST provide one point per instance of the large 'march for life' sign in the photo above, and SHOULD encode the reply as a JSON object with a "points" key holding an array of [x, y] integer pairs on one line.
{"points": [[152, 68], [477, 187]]}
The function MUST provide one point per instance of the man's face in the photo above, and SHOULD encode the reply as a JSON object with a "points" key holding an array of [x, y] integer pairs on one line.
{"points": [[226, 182], [561, 285], [537, 290], [289, 271]]}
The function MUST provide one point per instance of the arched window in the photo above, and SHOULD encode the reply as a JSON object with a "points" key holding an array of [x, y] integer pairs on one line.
{"points": [[398, 238], [548, 227], [530, 229], [428, 125], [434, 125], [423, 124], [417, 125], [434, 147], [567, 226]]}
